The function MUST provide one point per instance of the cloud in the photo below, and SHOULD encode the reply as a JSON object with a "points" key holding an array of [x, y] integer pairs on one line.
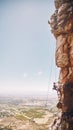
{"points": [[25, 75], [39, 73]]}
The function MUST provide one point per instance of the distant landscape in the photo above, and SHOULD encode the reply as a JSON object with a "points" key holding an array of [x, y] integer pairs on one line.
{"points": [[27, 113]]}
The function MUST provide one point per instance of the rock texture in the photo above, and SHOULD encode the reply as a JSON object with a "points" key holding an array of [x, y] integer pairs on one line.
{"points": [[61, 23]]}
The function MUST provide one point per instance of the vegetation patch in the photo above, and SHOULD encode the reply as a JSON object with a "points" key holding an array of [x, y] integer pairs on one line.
{"points": [[34, 113], [21, 117], [6, 128]]}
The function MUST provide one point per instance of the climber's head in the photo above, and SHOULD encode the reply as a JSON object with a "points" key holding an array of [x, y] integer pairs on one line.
{"points": [[57, 4]]}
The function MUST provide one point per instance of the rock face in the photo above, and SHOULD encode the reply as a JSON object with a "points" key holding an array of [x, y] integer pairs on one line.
{"points": [[61, 23]]}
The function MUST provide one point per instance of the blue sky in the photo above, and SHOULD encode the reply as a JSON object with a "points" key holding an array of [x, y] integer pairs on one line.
{"points": [[27, 47]]}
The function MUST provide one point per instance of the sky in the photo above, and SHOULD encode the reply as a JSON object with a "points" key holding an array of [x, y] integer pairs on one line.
{"points": [[27, 47]]}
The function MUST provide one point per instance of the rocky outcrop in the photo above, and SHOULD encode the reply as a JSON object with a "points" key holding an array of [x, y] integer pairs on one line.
{"points": [[61, 23]]}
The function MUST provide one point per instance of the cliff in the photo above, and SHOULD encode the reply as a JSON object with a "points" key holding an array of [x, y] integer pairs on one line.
{"points": [[61, 23]]}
